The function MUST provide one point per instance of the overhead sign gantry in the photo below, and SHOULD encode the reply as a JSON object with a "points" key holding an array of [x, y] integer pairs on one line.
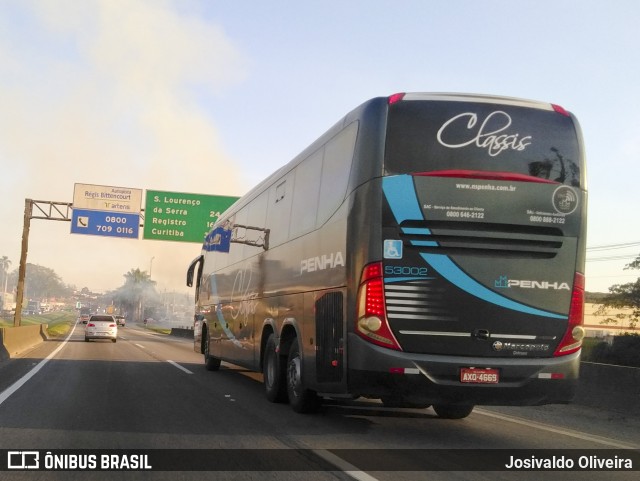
{"points": [[116, 212]]}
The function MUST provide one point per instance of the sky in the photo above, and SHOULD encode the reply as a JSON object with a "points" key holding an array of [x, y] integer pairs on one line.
{"points": [[210, 97]]}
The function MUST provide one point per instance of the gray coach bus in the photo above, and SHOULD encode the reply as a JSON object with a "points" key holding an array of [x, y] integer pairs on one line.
{"points": [[428, 249]]}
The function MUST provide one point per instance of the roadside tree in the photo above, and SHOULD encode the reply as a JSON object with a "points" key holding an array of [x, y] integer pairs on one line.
{"points": [[623, 296], [138, 290]]}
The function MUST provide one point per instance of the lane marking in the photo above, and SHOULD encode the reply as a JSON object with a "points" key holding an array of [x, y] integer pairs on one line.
{"points": [[566, 432], [23, 380], [179, 366], [344, 466], [139, 345]]}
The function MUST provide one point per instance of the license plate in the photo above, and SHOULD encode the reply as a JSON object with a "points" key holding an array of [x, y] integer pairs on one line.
{"points": [[476, 375]]}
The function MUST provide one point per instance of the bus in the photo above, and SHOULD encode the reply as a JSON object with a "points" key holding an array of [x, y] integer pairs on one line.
{"points": [[427, 250]]}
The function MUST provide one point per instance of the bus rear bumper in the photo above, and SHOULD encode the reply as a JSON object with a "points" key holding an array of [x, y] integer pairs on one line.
{"points": [[377, 372]]}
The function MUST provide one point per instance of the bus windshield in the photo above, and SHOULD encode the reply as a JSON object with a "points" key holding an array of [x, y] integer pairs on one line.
{"points": [[445, 136]]}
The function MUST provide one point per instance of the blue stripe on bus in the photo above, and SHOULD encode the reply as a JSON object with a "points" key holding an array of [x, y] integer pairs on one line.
{"points": [[450, 271], [416, 230], [401, 194], [403, 201], [390, 280], [419, 243], [213, 290]]}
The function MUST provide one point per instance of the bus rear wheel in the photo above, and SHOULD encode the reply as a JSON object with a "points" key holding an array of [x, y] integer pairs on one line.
{"points": [[302, 400], [274, 370], [453, 411], [210, 363]]}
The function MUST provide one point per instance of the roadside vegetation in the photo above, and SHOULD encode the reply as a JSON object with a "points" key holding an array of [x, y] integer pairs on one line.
{"points": [[159, 330], [58, 323], [623, 296], [620, 307]]}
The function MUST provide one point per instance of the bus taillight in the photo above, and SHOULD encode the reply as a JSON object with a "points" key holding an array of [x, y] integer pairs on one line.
{"points": [[572, 340], [371, 322], [395, 98], [560, 110]]}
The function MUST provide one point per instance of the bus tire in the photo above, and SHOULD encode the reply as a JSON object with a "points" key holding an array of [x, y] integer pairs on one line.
{"points": [[453, 411], [274, 371], [210, 363], [302, 400]]}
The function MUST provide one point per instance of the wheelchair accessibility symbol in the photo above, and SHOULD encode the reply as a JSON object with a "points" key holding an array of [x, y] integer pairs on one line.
{"points": [[392, 249]]}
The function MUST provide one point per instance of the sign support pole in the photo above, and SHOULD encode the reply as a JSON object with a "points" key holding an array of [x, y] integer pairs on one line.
{"points": [[28, 210], [45, 210]]}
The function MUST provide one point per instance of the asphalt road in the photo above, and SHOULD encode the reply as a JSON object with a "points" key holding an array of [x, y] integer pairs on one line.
{"points": [[150, 392]]}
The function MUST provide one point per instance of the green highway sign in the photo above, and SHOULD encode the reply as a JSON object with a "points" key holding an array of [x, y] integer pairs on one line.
{"points": [[182, 217]]}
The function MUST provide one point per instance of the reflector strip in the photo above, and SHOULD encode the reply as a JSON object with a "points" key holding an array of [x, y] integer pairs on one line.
{"points": [[550, 375], [404, 370]]}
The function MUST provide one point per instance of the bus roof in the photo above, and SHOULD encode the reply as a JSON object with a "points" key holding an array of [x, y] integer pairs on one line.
{"points": [[465, 97]]}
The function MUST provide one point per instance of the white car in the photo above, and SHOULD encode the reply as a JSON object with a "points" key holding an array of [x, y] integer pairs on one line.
{"points": [[101, 327]]}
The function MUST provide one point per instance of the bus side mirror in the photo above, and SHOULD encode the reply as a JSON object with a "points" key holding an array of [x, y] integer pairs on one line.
{"points": [[192, 268]]}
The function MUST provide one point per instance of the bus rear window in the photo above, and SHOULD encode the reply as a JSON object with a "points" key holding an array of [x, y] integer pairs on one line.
{"points": [[431, 136]]}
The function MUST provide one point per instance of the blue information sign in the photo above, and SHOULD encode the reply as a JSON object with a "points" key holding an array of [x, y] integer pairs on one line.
{"points": [[98, 222]]}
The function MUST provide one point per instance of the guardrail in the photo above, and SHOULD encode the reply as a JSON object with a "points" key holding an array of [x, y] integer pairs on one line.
{"points": [[182, 332], [15, 340], [605, 386], [176, 328]]}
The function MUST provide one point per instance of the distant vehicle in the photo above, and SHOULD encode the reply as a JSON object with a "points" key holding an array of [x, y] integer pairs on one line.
{"points": [[429, 249], [33, 307], [84, 318], [7, 302], [121, 321], [101, 327]]}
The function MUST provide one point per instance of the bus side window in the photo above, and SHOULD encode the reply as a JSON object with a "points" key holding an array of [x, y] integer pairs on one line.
{"points": [[239, 233], [281, 190], [305, 195], [256, 218], [336, 169], [279, 210]]}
